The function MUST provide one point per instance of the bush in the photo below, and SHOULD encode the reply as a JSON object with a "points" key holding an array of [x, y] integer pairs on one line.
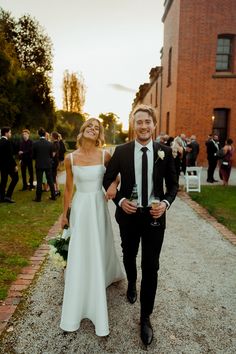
{"points": [[70, 144]]}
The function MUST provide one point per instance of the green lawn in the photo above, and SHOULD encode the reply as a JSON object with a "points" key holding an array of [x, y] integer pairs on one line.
{"points": [[23, 227], [220, 202]]}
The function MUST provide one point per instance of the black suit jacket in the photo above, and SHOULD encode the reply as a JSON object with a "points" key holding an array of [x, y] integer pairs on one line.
{"points": [[7, 161], [42, 154], [122, 162], [212, 150]]}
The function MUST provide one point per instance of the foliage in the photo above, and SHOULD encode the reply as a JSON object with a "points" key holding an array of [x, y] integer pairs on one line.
{"points": [[73, 92], [220, 202], [112, 128], [61, 246], [68, 123], [26, 60]]}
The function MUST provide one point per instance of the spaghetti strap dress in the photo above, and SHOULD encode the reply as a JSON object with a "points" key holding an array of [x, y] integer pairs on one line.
{"points": [[92, 263]]}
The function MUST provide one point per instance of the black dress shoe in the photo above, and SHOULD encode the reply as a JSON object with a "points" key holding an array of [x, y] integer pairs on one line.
{"points": [[52, 198], [131, 293], [146, 330], [8, 200], [209, 180]]}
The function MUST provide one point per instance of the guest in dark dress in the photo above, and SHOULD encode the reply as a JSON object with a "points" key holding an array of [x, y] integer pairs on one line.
{"points": [[226, 162]]}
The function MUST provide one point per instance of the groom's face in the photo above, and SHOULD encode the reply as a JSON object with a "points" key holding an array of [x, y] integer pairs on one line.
{"points": [[143, 127]]}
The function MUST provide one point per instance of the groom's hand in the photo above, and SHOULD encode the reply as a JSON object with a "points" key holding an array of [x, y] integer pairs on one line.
{"points": [[128, 206], [159, 210]]}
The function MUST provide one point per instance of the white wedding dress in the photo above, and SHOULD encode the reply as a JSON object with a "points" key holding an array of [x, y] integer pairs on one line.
{"points": [[92, 260]]}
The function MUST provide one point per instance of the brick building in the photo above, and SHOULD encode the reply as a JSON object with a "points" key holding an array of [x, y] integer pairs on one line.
{"points": [[194, 90]]}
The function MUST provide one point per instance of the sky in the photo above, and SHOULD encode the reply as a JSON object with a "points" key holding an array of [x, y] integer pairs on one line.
{"points": [[112, 43]]}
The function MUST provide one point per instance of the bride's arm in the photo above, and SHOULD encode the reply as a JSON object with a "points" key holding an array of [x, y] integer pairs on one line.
{"points": [[112, 189], [68, 191]]}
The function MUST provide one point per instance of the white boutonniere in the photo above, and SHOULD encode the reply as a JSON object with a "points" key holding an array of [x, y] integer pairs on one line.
{"points": [[160, 155]]}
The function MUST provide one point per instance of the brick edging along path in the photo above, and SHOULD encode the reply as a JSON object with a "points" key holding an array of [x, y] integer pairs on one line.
{"points": [[25, 278]]}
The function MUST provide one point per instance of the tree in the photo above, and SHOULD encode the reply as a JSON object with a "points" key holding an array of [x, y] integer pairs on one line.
{"points": [[110, 122], [68, 123], [73, 92], [30, 64], [9, 75]]}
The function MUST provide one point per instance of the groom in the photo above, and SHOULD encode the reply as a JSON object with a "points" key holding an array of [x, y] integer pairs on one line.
{"points": [[147, 164]]}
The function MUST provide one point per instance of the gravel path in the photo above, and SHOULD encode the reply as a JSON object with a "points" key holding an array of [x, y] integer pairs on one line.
{"points": [[195, 308]]}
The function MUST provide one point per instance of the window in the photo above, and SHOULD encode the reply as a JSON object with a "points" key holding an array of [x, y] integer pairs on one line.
{"points": [[224, 53], [169, 67], [156, 102]]}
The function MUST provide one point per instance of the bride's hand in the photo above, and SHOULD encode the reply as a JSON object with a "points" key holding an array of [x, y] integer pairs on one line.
{"points": [[111, 192], [64, 221]]}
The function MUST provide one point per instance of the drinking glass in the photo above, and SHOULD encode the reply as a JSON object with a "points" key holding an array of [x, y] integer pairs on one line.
{"points": [[155, 202]]}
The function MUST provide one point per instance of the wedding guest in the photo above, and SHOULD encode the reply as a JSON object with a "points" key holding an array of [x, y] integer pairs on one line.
{"points": [[43, 153], [55, 160], [226, 162], [8, 167], [195, 150], [92, 261], [213, 147], [177, 152], [62, 150], [45, 186], [26, 160], [149, 165]]}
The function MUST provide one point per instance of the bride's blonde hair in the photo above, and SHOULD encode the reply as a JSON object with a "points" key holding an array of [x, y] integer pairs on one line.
{"points": [[100, 139]]}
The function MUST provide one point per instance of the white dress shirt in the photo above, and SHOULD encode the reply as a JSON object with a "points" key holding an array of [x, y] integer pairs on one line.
{"points": [[138, 172], [138, 169]]}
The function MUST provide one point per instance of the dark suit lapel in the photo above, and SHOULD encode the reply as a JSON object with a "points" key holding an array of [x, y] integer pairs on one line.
{"points": [[130, 159]]}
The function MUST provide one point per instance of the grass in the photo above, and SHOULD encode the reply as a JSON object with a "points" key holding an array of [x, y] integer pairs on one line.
{"points": [[24, 225], [220, 202]]}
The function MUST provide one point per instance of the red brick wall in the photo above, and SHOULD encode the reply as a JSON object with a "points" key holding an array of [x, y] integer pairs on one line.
{"points": [[191, 29], [169, 93]]}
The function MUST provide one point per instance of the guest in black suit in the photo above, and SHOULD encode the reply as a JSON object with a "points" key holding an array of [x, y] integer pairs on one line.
{"points": [[26, 159], [43, 153], [212, 146], [149, 170], [8, 166]]}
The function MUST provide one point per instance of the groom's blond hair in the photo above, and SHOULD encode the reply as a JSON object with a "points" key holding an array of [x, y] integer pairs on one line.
{"points": [[147, 109]]}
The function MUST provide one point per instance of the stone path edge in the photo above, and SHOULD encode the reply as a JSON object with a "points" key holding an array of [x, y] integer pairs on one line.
{"points": [[25, 278], [229, 235]]}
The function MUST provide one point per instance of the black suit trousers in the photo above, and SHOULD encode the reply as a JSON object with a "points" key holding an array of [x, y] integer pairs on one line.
{"points": [[4, 177], [212, 163], [39, 177], [27, 164], [134, 228]]}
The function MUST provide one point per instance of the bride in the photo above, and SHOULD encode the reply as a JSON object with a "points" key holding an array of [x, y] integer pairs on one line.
{"points": [[92, 263]]}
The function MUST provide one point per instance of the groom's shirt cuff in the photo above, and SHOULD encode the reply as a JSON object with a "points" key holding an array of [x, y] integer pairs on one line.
{"points": [[167, 203], [120, 202]]}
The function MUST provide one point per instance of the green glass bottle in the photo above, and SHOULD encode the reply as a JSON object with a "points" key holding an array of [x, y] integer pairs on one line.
{"points": [[134, 195]]}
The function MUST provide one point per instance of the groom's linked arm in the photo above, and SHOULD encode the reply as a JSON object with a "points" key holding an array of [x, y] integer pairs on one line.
{"points": [[112, 170], [171, 180]]}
